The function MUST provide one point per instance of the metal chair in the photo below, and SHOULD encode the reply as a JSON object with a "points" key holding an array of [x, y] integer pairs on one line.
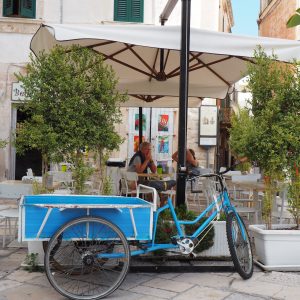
{"points": [[9, 218], [129, 183]]}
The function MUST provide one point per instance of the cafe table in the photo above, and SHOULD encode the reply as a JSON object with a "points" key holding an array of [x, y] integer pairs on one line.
{"points": [[155, 176]]}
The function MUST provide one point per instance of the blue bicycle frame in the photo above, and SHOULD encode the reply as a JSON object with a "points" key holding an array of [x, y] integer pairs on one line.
{"points": [[221, 203]]}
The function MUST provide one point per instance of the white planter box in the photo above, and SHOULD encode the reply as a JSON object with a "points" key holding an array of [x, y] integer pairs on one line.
{"points": [[277, 249], [220, 246], [36, 247]]}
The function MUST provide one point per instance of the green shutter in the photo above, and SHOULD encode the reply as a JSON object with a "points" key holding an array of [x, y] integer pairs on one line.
{"points": [[121, 10], [129, 10], [27, 8], [137, 10], [7, 8]]}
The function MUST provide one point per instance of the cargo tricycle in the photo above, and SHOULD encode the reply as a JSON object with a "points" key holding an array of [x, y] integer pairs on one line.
{"points": [[92, 238]]}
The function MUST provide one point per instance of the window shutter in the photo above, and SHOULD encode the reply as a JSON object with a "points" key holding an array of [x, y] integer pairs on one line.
{"points": [[121, 10], [7, 8], [129, 10], [137, 10], [27, 8]]}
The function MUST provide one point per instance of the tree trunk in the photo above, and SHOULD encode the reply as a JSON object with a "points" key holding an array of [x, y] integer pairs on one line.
{"points": [[44, 170]]}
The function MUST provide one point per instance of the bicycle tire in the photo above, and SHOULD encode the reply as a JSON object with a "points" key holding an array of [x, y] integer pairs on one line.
{"points": [[82, 273], [240, 249]]}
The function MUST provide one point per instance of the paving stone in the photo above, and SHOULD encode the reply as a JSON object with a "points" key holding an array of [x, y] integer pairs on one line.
{"points": [[145, 290], [167, 275], [169, 285], [24, 276], [256, 287], [126, 295], [31, 292], [204, 279], [8, 284], [238, 296], [282, 278], [41, 281], [289, 293], [204, 293], [134, 279]]}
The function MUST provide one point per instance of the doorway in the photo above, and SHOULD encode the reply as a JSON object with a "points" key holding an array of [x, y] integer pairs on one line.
{"points": [[30, 159]]}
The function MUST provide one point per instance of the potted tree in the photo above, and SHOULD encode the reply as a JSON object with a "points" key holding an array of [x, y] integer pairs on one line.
{"points": [[71, 107], [268, 134], [73, 103]]}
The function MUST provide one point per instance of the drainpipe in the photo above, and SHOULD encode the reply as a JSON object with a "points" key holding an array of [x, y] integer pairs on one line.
{"points": [[61, 10]]}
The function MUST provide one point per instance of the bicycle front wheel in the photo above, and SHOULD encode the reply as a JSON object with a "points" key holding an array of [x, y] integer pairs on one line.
{"points": [[87, 258], [239, 247]]}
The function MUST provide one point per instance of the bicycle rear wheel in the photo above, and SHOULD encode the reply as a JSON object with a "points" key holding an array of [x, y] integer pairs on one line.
{"points": [[240, 248], [87, 258]]}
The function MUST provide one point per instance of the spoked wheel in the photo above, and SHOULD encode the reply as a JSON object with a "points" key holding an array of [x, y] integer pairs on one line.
{"points": [[87, 258], [240, 248]]}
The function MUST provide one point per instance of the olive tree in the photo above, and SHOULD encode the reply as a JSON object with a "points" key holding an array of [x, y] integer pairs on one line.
{"points": [[268, 134], [73, 103]]}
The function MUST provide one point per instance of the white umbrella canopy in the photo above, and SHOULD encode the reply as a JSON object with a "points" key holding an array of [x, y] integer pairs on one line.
{"points": [[216, 60]]}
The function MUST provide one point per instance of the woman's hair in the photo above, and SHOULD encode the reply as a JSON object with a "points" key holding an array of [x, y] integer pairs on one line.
{"points": [[193, 153]]}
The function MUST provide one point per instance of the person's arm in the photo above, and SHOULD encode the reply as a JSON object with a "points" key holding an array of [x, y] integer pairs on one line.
{"points": [[140, 167], [190, 159], [152, 166], [175, 156]]}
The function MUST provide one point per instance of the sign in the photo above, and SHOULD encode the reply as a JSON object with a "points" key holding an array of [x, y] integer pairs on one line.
{"points": [[18, 92], [208, 125]]}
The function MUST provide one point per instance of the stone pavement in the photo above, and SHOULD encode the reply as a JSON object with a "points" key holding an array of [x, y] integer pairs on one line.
{"points": [[16, 284]]}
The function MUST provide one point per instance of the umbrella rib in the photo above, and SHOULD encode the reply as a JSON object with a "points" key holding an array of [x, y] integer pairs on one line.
{"points": [[116, 53], [153, 67], [175, 72], [147, 98], [142, 60], [207, 66], [125, 64], [166, 60], [100, 44]]}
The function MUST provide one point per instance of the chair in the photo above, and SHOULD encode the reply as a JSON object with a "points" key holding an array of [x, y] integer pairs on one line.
{"points": [[193, 192], [244, 199], [9, 216], [129, 183]]}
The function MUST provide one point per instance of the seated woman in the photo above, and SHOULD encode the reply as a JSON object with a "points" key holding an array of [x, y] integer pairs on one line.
{"points": [[191, 162]]}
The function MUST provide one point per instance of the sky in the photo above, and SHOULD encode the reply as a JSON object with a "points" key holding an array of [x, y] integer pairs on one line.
{"points": [[245, 14]]}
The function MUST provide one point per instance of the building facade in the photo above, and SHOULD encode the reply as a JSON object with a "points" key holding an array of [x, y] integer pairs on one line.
{"points": [[19, 20], [273, 17]]}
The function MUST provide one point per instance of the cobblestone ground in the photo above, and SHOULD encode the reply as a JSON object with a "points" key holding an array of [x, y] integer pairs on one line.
{"points": [[17, 283]]}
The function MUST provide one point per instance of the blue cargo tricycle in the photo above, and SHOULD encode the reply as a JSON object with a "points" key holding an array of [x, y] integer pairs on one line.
{"points": [[92, 238]]}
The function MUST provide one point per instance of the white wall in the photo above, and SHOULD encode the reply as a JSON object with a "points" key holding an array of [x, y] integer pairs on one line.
{"points": [[204, 14], [78, 11], [14, 47]]}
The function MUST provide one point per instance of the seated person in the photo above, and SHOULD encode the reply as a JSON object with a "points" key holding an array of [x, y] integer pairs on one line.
{"points": [[191, 161], [142, 160]]}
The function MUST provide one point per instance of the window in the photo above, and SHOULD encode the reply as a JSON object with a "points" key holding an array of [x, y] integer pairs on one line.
{"points": [[129, 10], [19, 8]]}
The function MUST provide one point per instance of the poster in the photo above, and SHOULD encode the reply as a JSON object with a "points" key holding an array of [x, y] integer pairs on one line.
{"points": [[136, 142], [163, 144], [208, 125], [136, 122], [208, 120], [163, 123]]}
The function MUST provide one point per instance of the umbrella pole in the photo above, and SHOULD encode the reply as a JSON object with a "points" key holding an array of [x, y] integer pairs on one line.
{"points": [[183, 100], [140, 125]]}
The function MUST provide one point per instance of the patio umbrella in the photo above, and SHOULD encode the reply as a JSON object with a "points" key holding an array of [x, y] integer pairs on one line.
{"points": [[146, 58], [216, 59]]}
